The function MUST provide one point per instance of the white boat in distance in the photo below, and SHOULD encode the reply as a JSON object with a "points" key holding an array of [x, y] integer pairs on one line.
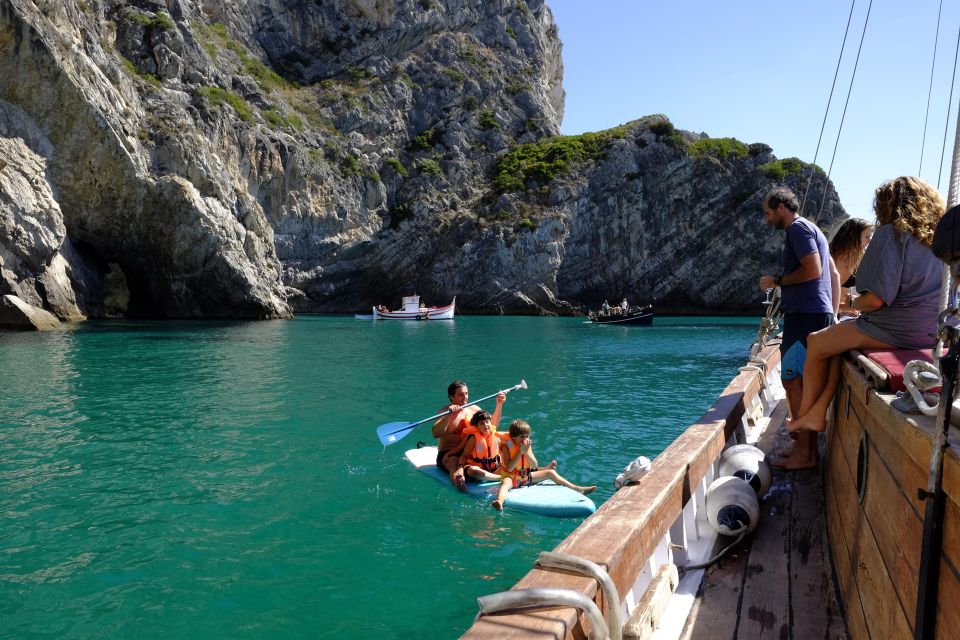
{"points": [[412, 309]]}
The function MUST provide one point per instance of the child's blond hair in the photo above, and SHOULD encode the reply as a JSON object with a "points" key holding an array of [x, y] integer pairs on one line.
{"points": [[520, 428]]}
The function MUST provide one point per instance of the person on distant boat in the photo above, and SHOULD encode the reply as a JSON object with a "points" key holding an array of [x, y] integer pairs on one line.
{"points": [[605, 308], [807, 300], [899, 302], [449, 429], [847, 245], [624, 306], [382, 309], [518, 465]]}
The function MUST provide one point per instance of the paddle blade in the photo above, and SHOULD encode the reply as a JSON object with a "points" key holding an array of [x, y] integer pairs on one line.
{"points": [[393, 431]]}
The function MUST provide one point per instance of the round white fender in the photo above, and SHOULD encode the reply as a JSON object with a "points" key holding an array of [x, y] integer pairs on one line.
{"points": [[732, 506], [632, 472], [747, 463]]}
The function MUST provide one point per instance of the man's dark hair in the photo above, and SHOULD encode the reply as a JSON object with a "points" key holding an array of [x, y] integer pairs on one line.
{"points": [[452, 389], [783, 196]]}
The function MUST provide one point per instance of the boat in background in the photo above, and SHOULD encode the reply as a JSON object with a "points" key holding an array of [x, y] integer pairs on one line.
{"points": [[634, 315], [412, 309]]}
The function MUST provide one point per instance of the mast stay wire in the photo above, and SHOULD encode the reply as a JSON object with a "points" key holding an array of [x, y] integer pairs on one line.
{"points": [[946, 126], [833, 86], [926, 116], [853, 76]]}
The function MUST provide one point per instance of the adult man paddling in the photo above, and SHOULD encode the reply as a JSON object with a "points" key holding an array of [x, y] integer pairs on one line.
{"points": [[806, 292], [449, 429]]}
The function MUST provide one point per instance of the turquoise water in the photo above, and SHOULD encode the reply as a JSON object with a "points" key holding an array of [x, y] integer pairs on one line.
{"points": [[224, 480]]}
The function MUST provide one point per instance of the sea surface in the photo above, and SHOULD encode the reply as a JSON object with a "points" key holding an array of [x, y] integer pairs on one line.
{"points": [[224, 479]]}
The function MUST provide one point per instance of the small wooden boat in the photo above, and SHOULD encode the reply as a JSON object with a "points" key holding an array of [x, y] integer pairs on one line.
{"points": [[633, 315], [412, 309]]}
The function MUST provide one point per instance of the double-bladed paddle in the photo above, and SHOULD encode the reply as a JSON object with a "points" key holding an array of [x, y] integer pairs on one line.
{"points": [[394, 431]]}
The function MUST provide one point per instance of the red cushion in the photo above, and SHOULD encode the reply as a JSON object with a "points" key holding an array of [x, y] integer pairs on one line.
{"points": [[893, 362]]}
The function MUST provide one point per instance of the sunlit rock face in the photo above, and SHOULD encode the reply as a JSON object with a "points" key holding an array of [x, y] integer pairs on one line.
{"points": [[192, 158]]}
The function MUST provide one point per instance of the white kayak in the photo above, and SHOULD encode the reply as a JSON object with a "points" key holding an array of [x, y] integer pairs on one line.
{"points": [[545, 498]]}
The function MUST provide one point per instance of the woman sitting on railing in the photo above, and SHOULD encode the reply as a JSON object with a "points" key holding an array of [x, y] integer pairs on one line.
{"points": [[899, 280]]}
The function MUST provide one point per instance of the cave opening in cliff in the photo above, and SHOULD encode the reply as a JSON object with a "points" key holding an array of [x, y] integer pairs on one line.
{"points": [[116, 293]]}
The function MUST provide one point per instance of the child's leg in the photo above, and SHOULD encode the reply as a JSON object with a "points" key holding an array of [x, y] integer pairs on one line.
{"points": [[481, 475], [505, 485], [549, 474]]}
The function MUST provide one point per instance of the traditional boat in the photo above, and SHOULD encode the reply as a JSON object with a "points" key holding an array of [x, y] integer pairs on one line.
{"points": [[633, 315], [412, 309], [865, 546]]}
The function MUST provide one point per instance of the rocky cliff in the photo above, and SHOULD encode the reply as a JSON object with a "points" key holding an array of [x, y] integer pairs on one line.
{"points": [[191, 158]]}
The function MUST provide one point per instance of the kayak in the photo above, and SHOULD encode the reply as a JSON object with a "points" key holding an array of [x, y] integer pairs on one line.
{"points": [[544, 498]]}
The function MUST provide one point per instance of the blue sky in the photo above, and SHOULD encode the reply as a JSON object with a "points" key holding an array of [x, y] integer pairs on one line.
{"points": [[761, 71]]}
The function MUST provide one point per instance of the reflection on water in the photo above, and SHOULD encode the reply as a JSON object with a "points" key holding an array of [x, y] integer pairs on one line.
{"points": [[223, 479]]}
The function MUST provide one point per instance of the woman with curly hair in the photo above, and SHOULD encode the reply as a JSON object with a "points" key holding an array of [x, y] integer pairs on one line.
{"points": [[899, 284], [847, 245]]}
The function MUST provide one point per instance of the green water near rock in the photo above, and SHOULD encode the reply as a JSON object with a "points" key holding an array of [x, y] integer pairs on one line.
{"points": [[224, 480]]}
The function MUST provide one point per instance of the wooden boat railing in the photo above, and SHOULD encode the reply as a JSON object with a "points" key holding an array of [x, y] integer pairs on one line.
{"points": [[646, 530]]}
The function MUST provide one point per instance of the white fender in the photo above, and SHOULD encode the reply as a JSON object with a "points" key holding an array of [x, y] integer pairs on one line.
{"points": [[747, 463], [732, 506]]}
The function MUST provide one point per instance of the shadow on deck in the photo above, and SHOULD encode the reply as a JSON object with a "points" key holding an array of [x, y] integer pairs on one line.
{"points": [[780, 582]]}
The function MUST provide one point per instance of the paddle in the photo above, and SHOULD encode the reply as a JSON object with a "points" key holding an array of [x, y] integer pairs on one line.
{"points": [[394, 431]]}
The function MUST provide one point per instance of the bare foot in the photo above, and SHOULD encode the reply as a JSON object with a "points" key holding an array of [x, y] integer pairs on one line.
{"points": [[586, 490], [497, 505], [796, 462], [460, 483], [806, 423], [552, 465]]}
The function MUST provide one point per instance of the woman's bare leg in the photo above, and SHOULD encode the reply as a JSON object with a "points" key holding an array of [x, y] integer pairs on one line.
{"points": [[820, 375]]}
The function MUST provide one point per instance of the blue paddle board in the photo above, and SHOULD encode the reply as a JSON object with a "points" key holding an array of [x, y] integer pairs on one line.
{"points": [[545, 498]]}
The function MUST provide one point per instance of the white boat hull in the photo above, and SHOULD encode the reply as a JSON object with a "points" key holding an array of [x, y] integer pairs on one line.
{"points": [[423, 313]]}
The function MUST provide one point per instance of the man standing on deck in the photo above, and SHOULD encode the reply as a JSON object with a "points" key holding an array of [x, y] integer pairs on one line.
{"points": [[449, 429], [806, 295]]}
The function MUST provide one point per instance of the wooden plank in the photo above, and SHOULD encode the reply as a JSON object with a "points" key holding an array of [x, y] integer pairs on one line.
{"points": [[649, 610], [846, 577], [877, 595], [815, 612]]}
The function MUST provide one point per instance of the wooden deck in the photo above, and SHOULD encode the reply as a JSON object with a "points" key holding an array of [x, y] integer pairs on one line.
{"points": [[780, 583]]}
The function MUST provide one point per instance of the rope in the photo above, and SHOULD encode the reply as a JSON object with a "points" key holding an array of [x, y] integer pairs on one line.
{"points": [[946, 126], [933, 65], [829, 101], [723, 552], [844, 116]]}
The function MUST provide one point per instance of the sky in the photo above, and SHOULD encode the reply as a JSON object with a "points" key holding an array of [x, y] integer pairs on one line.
{"points": [[762, 70]]}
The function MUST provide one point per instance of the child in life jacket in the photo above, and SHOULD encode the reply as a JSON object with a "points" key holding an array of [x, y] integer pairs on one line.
{"points": [[481, 450], [519, 465]]}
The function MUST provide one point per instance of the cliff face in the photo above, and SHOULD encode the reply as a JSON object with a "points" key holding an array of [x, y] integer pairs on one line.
{"points": [[190, 158]]}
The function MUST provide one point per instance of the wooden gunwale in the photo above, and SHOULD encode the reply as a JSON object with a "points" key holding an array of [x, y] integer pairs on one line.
{"points": [[624, 533], [876, 545]]}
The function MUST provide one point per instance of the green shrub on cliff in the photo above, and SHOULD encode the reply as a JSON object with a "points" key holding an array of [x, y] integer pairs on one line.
{"points": [[220, 96], [430, 167], [542, 161], [720, 148], [780, 169], [159, 21]]}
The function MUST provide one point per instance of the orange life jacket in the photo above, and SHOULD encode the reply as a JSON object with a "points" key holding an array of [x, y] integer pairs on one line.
{"points": [[523, 465], [486, 449]]}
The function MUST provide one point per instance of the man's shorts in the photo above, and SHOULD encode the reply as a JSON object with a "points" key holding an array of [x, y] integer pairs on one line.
{"points": [[793, 348]]}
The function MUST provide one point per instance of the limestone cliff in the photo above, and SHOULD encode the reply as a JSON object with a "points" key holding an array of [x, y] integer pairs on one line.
{"points": [[191, 158]]}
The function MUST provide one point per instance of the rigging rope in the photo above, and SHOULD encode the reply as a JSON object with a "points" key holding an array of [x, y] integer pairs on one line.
{"points": [[833, 86], [853, 76], [933, 65], [946, 126]]}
